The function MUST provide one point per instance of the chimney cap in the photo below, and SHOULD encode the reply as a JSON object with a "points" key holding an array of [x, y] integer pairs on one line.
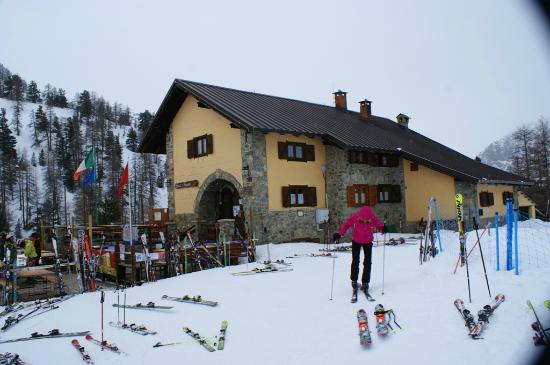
{"points": [[401, 115], [366, 101], [340, 92]]}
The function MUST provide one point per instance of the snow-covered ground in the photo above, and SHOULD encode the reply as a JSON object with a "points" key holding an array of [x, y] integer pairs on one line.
{"points": [[288, 317]]}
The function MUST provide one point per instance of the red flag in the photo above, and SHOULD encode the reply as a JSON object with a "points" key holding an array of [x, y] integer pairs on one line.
{"points": [[123, 181]]}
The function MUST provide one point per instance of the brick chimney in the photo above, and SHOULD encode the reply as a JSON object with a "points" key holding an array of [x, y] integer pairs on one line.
{"points": [[403, 121], [340, 100], [365, 108]]}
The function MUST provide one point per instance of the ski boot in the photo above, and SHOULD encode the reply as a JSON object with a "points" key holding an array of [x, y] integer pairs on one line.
{"points": [[354, 291], [365, 289]]}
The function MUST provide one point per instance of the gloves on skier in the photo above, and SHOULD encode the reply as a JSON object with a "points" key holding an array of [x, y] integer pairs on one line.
{"points": [[384, 229], [336, 236]]}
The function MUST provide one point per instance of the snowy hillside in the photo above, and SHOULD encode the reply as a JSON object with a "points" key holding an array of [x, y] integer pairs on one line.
{"points": [[288, 317]]}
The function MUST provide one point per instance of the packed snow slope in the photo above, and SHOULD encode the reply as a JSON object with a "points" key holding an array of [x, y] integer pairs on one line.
{"points": [[288, 317]]}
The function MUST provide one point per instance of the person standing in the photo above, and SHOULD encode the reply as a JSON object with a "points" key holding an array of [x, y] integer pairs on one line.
{"points": [[364, 221]]}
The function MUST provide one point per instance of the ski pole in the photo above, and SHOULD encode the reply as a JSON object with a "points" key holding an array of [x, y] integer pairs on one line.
{"points": [[124, 309], [481, 253], [466, 262], [383, 263], [118, 305], [332, 281], [102, 300]]}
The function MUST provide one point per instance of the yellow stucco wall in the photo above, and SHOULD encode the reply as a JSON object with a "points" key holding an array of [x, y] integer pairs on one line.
{"points": [[283, 173], [192, 121], [497, 191], [421, 185], [524, 201]]}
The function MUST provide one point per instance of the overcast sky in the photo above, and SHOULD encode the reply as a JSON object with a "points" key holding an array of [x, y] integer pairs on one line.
{"points": [[466, 72]]}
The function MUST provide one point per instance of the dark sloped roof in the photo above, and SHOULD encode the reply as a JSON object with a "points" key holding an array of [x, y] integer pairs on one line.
{"points": [[346, 129]]}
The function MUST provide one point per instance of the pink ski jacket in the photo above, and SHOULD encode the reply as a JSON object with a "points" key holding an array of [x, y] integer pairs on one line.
{"points": [[363, 222]]}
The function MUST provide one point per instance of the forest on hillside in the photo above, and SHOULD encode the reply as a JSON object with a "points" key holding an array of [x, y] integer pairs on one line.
{"points": [[44, 138]]}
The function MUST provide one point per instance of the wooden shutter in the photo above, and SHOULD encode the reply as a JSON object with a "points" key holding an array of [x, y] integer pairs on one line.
{"points": [[311, 196], [286, 196], [483, 199], [190, 149], [373, 195], [506, 195], [282, 150], [372, 159], [351, 195], [393, 161], [352, 156], [209, 144], [395, 194], [309, 152], [490, 199]]}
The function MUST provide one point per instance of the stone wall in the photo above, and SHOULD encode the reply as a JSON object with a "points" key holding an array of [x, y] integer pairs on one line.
{"points": [[341, 174]]}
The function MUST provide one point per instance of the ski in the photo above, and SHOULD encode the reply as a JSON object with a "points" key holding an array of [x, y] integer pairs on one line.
{"points": [[540, 338], [58, 273], [51, 334], [104, 344], [267, 269], [381, 324], [465, 313], [323, 254], [197, 299], [149, 306], [13, 320], [483, 316], [89, 263], [139, 329], [221, 336], [7, 358], [87, 359], [547, 303], [369, 297], [364, 332], [201, 340]]}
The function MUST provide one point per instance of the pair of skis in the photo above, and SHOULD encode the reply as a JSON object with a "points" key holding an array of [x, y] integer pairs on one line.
{"points": [[367, 295], [476, 327], [148, 306], [540, 337], [203, 341], [51, 334], [7, 358], [197, 299], [382, 324], [139, 329], [266, 269]]}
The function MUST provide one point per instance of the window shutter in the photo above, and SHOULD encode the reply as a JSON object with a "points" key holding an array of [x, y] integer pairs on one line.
{"points": [[483, 199], [310, 152], [393, 161], [395, 194], [311, 196], [373, 195], [286, 196], [490, 199], [351, 195], [372, 159], [282, 150], [190, 149], [350, 156], [209, 144]]}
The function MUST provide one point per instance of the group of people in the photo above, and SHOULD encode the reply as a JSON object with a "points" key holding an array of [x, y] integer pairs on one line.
{"points": [[31, 247]]}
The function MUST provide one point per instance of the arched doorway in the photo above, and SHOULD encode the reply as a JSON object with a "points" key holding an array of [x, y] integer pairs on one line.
{"points": [[216, 203]]}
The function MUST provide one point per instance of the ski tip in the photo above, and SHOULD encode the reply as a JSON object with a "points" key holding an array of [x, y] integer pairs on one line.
{"points": [[529, 304], [75, 342], [89, 337], [164, 297], [547, 303]]}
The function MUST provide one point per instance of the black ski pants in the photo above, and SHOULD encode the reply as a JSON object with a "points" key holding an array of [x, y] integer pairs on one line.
{"points": [[367, 261]]}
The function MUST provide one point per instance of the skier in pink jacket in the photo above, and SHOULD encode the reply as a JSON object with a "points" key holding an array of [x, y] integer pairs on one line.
{"points": [[363, 222]]}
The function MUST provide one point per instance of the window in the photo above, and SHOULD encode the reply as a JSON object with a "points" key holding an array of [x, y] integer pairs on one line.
{"points": [[389, 193], [373, 159], [386, 160], [486, 199], [299, 196], [414, 166], [200, 146], [361, 194], [293, 151], [507, 195]]}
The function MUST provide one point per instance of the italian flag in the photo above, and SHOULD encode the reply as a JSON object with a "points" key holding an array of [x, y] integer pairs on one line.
{"points": [[87, 163]]}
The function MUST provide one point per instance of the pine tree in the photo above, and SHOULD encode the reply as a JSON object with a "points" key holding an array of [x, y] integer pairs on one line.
{"points": [[8, 160], [84, 106], [42, 158], [144, 121], [60, 99], [33, 93], [132, 140]]}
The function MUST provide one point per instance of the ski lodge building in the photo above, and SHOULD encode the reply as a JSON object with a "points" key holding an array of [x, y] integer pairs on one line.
{"points": [[283, 162]]}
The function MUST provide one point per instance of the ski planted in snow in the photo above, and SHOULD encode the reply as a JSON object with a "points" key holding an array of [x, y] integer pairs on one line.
{"points": [[540, 338], [201, 340], [104, 344], [381, 324], [87, 359], [483, 316], [139, 329], [7, 358], [197, 299], [221, 336], [150, 306], [51, 334], [364, 332]]}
